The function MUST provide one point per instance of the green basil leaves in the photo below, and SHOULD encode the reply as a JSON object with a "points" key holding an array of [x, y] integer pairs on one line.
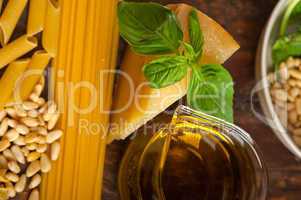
{"points": [[149, 27], [152, 29], [286, 46], [211, 91]]}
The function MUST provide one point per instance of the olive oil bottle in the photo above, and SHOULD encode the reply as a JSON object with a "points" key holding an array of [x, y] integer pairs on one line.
{"points": [[196, 157]]}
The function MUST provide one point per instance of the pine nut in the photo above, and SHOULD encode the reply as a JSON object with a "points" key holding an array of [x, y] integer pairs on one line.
{"points": [[40, 101], [42, 148], [43, 108], [33, 168], [31, 137], [38, 89], [33, 156], [292, 82], [292, 117], [30, 122], [34, 195], [41, 139], [297, 131], [3, 162], [45, 163], [12, 135], [2, 115], [4, 193], [294, 92], [3, 179], [3, 126], [34, 97], [18, 154], [22, 129], [42, 131], [55, 150], [290, 106], [33, 113], [41, 121], [9, 154], [20, 111], [284, 75], [20, 141], [35, 181], [12, 177], [10, 189], [4, 144], [52, 109], [20, 185], [52, 122], [25, 151], [53, 136], [12, 123], [32, 146], [280, 95], [297, 139], [29, 105], [14, 167], [11, 112], [295, 73], [298, 106]]}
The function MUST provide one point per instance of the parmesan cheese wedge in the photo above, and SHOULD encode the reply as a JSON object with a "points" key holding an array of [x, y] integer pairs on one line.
{"points": [[135, 103]]}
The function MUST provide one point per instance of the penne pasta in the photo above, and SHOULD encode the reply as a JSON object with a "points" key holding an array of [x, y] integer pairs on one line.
{"points": [[36, 16], [8, 81], [31, 77], [51, 28], [9, 19], [16, 49]]}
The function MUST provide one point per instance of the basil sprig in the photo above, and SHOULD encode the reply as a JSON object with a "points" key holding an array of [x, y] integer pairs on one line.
{"points": [[151, 28]]}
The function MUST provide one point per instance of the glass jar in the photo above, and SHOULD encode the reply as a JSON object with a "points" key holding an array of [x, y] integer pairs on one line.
{"points": [[195, 157]]}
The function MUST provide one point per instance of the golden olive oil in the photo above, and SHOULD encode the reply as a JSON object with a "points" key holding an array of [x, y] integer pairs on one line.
{"points": [[196, 158]]}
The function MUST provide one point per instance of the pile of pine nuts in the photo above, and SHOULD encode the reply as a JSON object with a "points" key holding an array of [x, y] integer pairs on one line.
{"points": [[28, 143], [285, 90]]}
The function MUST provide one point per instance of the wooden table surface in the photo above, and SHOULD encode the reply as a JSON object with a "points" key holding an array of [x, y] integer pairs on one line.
{"points": [[244, 19]]}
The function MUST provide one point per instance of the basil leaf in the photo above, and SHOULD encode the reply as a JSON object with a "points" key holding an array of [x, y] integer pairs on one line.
{"points": [[165, 71], [211, 91], [149, 28], [285, 47], [195, 33]]}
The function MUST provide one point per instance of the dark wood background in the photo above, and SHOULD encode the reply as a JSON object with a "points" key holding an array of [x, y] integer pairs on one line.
{"points": [[244, 19]]}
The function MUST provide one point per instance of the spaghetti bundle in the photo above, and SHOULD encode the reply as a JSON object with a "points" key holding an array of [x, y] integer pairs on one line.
{"points": [[86, 54]]}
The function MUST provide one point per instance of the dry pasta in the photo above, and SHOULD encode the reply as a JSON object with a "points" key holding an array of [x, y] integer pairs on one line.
{"points": [[36, 16], [87, 47], [7, 83], [51, 28], [9, 19], [16, 49], [32, 76]]}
